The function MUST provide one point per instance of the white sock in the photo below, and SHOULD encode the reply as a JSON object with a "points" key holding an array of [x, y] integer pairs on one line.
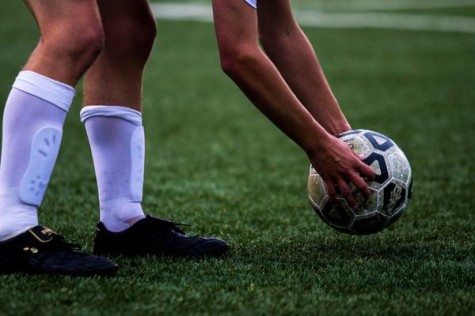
{"points": [[116, 137], [32, 127]]}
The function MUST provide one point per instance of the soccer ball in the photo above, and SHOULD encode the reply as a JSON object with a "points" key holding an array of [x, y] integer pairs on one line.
{"points": [[390, 190]]}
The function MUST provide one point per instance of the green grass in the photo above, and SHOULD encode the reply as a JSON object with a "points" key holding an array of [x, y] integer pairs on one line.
{"points": [[213, 161]]}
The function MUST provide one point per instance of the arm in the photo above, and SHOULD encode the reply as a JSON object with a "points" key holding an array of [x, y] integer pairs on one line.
{"points": [[291, 52], [260, 80]]}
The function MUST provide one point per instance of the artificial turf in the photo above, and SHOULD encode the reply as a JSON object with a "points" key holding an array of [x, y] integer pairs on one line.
{"points": [[215, 162]]}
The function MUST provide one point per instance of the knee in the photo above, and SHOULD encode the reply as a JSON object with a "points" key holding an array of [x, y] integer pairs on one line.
{"points": [[88, 45], [77, 46], [132, 40]]}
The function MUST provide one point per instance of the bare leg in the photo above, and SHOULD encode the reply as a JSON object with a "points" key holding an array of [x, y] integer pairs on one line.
{"points": [[116, 76], [112, 111], [71, 38]]}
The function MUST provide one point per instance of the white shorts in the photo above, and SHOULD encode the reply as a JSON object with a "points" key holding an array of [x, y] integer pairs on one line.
{"points": [[252, 3]]}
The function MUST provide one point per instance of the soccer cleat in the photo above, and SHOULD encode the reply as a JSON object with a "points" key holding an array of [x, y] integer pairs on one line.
{"points": [[155, 236], [40, 250]]}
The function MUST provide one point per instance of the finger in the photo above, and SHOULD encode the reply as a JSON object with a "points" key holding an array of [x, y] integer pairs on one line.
{"points": [[366, 172], [331, 191], [345, 192], [361, 185]]}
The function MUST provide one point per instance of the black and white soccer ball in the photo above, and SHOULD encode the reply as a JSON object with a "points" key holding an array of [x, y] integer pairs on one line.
{"points": [[390, 190]]}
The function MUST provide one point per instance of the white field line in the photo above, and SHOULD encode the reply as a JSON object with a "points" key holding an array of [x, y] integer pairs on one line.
{"points": [[371, 5], [397, 21], [388, 21], [183, 11]]}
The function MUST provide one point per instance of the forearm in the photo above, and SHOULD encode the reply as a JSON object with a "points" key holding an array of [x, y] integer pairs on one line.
{"points": [[295, 59], [262, 83]]}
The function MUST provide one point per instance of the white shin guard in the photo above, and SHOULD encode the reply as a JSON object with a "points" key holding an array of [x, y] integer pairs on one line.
{"points": [[117, 141], [137, 157], [44, 151]]}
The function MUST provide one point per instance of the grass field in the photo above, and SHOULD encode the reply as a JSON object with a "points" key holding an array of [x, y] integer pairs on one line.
{"points": [[214, 162]]}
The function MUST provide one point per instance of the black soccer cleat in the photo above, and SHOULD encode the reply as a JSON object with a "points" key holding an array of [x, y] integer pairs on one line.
{"points": [[40, 250], [155, 236]]}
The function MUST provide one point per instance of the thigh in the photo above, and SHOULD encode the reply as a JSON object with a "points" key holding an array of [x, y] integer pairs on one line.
{"points": [[62, 16]]}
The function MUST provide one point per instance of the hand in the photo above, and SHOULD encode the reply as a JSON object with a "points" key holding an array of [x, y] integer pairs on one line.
{"points": [[339, 166]]}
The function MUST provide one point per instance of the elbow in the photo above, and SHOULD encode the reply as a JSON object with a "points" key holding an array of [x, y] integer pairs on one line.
{"points": [[236, 62], [228, 64]]}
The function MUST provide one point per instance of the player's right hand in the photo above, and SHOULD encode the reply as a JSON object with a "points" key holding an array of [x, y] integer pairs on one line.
{"points": [[339, 166]]}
